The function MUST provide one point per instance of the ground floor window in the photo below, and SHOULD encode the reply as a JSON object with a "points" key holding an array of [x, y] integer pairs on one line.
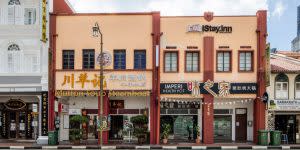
{"points": [[18, 124], [183, 127], [288, 125], [222, 128]]}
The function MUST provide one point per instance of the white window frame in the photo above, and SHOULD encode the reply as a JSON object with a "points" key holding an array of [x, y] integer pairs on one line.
{"points": [[297, 91], [281, 93], [29, 20]]}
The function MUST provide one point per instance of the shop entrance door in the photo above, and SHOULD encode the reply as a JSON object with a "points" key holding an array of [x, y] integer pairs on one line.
{"points": [[116, 130], [287, 125], [222, 128], [16, 122], [241, 125]]}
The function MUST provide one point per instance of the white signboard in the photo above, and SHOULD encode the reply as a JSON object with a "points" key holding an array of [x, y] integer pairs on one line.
{"points": [[74, 111], [34, 108], [284, 105]]}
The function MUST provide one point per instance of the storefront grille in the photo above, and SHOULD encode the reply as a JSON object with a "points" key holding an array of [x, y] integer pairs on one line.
{"points": [[179, 111]]}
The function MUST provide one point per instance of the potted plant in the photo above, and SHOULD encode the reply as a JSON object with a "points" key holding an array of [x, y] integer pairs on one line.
{"points": [[166, 129], [197, 128], [140, 127], [76, 132]]}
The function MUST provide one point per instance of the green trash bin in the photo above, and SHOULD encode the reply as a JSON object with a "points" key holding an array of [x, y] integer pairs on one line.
{"points": [[52, 137], [275, 137], [263, 137]]}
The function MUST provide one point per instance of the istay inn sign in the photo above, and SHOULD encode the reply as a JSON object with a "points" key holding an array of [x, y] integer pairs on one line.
{"points": [[209, 28]]}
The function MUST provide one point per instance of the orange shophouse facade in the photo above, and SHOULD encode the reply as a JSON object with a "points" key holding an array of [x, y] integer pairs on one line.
{"points": [[129, 78], [205, 71]]}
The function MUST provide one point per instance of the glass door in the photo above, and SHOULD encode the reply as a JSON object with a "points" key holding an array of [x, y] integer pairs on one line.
{"points": [[222, 128]]}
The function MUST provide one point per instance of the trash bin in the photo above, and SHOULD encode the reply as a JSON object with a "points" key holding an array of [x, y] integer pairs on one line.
{"points": [[52, 137], [275, 137], [263, 137]]}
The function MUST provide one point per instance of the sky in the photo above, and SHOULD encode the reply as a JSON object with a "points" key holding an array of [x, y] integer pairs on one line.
{"points": [[282, 14]]}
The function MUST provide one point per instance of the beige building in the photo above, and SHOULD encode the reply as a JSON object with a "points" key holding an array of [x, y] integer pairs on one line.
{"points": [[284, 95]]}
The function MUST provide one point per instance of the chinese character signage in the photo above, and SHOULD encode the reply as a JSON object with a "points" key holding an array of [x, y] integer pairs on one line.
{"points": [[90, 80], [44, 21], [284, 105], [221, 89], [177, 105], [44, 113]]}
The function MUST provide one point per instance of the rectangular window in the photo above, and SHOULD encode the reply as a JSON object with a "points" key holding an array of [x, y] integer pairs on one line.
{"points": [[88, 59], [139, 59], [281, 90], [171, 61], [29, 16], [224, 61], [297, 90], [68, 59], [245, 61], [192, 62], [119, 59]]}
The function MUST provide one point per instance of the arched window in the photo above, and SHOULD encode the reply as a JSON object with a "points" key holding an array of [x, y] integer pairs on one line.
{"points": [[281, 86], [14, 2], [14, 11], [13, 58], [297, 87]]}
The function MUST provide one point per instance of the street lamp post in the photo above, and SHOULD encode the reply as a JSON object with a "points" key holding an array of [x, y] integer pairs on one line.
{"points": [[96, 33]]}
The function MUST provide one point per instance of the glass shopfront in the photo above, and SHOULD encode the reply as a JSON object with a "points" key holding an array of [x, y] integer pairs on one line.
{"points": [[222, 128], [288, 125]]}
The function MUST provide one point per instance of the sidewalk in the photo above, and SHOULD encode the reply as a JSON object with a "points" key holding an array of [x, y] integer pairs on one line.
{"points": [[31, 145]]}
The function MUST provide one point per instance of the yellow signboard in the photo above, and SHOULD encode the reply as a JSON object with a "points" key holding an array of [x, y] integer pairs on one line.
{"points": [[44, 21]]}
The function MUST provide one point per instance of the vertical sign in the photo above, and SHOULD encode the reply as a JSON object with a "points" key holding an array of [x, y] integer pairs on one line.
{"points": [[44, 21], [268, 66], [44, 113], [4, 128], [28, 125]]}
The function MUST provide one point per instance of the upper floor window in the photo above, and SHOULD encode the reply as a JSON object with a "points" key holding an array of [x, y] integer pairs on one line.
{"points": [[245, 61], [29, 16], [88, 58], [192, 62], [297, 87], [281, 86], [223, 61], [139, 59], [14, 2], [68, 59], [13, 58], [171, 61], [119, 59], [14, 11]]}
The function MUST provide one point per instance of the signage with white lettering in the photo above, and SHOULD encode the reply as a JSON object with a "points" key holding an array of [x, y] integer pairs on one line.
{"points": [[218, 89], [209, 28]]}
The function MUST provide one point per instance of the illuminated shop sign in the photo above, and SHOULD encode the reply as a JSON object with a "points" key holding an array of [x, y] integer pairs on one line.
{"points": [[220, 89], [209, 28]]}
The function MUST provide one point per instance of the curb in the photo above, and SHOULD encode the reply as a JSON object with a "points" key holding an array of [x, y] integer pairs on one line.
{"points": [[144, 147]]}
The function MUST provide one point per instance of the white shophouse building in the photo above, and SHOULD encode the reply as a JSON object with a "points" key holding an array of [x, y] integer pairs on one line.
{"points": [[24, 68]]}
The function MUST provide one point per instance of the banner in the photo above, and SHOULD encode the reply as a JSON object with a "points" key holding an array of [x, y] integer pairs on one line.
{"points": [[291, 105], [44, 113]]}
